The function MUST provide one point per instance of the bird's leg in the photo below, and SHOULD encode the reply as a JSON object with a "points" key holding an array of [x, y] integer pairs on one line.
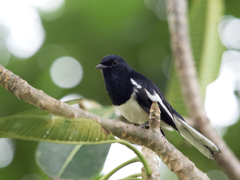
{"points": [[143, 125]]}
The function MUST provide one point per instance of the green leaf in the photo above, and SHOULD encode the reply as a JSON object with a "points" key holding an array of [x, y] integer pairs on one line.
{"points": [[71, 162], [174, 95], [34, 111], [56, 129], [206, 46], [61, 160]]}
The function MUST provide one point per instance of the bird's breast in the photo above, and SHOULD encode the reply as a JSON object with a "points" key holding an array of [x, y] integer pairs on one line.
{"points": [[132, 111]]}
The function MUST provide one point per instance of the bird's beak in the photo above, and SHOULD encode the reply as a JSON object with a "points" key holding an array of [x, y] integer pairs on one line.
{"points": [[100, 66]]}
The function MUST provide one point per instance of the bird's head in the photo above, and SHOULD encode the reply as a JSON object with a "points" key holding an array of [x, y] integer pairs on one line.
{"points": [[113, 64]]}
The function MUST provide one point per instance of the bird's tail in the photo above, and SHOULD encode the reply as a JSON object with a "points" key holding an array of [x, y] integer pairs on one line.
{"points": [[203, 144]]}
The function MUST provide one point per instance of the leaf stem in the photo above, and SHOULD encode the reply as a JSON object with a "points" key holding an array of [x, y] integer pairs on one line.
{"points": [[141, 157], [107, 176], [133, 176]]}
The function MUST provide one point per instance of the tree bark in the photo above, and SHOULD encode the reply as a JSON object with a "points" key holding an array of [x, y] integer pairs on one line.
{"points": [[184, 64], [151, 157]]}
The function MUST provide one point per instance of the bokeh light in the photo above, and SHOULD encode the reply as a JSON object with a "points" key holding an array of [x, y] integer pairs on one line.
{"points": [[25, 32], [7, 151], [229, 30], [221, 103], [158, 7], [4, 53], [161, 10], [66, 72], [21, 30], [49, 9], [48, 6], [48, 54]]}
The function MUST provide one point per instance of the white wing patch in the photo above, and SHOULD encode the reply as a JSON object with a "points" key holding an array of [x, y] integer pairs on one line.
{"points": [[155, 97], [135, 84]]}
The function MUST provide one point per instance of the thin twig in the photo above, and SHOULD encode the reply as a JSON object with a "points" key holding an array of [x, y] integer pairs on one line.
{"points": [[153, 140], [184, 63]]}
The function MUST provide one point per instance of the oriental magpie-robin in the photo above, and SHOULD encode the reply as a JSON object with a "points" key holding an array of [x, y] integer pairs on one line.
{"points": [[132, 94]]}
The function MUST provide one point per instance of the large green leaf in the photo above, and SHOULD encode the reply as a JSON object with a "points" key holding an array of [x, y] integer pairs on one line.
{"points": [[61, 160], [174, 95], [55, 129], [71, 161], [206, 46]]}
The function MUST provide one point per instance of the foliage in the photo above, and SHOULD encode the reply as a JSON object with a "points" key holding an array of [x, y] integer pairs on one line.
{"points": [[70, 159], [206, 46]]}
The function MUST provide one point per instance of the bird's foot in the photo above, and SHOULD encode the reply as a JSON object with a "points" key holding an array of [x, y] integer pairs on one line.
{"points": [[144, 125], [147, 127]]}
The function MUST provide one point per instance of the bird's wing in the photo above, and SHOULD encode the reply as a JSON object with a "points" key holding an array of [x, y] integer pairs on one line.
{"points": [[174, 112], [143, 99], [146, 93]]}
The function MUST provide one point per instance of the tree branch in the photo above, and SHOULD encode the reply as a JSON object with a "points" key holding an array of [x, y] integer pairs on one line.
{"points": [[153, 140], [153, 162], [184, 63], [151, 157]]}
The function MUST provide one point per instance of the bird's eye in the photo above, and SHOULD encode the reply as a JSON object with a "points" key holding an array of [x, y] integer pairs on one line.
{"points": [[114, 63]]}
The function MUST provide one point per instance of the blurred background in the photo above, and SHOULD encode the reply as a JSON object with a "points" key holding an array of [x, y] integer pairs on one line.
{"points": [[55, 45]]}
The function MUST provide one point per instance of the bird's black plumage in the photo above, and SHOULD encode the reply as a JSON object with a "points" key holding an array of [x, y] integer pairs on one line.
{"points": [[145, 102], [119, 90], [133, 93], [119, 87]]}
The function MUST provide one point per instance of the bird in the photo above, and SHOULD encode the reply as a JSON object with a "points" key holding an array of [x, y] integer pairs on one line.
{"points": [[133, 94]]}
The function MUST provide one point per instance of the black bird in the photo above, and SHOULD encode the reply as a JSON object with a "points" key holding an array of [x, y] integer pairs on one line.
{"points": [[132, 94]]}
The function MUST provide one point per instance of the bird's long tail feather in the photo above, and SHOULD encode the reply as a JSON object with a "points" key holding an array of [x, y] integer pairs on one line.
{"points": [[204, 145]]}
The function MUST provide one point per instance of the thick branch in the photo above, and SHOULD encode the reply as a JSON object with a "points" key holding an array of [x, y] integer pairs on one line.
{"points": [[181, 48], [153, 140]]}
